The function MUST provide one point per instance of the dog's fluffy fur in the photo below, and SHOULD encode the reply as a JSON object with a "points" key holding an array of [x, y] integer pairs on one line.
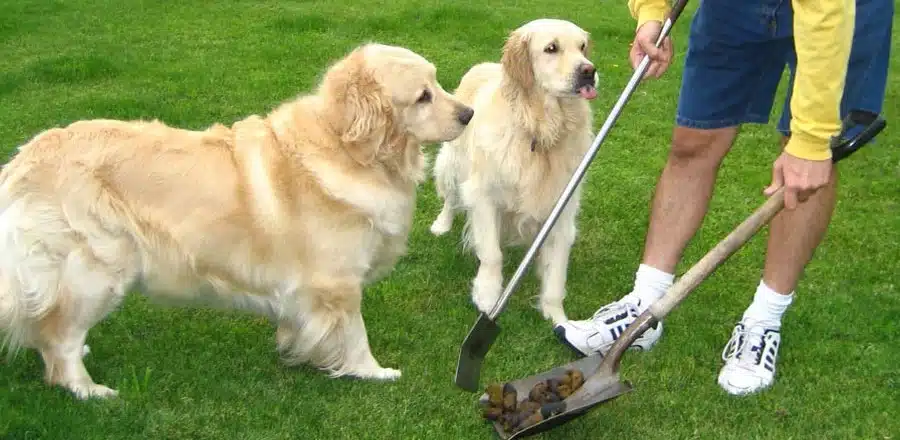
{"points": [[287, 215], [531, 128]]}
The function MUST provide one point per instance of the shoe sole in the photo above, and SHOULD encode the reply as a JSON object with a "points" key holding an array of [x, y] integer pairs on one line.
{"points": [[560, 333]]}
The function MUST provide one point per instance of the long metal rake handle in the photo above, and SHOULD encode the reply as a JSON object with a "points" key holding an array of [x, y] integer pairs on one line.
{"points": [[582, 167]]}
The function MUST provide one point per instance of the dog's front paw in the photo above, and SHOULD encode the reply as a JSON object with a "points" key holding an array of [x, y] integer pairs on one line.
{"points": [[486, 290], [553, 310], [442, 224], [379, 374], [92, 390]]}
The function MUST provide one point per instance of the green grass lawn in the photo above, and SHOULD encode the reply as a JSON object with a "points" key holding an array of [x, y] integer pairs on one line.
{"points": [[192, 373]]}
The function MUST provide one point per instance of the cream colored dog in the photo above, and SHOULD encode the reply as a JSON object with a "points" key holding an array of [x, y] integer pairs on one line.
{"points": [[531, 128], [287, 215]]}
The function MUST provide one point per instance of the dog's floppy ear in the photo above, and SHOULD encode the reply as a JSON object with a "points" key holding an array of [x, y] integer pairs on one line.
{"points": [[516, 60], [357, 108]]}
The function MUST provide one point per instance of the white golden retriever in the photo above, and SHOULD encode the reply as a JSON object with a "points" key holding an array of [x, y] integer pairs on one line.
{"points": [[531, 128], [287, 215]]}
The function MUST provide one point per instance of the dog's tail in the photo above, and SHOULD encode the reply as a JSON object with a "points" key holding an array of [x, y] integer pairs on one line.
{"points": [[445, 171], [12, 322], [29, 274], [35, 240]]}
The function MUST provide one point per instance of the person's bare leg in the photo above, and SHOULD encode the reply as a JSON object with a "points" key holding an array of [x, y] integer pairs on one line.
{"points": [[683, 193], [795, 235], [679, 205], [751, 353]]}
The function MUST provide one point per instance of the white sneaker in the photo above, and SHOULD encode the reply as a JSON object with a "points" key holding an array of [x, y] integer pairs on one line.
{"points": [[750, 357], [597, 334]]}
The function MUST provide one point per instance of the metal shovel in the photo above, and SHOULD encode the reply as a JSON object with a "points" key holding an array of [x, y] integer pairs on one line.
{"points": [[602, 381], [485, 330]]}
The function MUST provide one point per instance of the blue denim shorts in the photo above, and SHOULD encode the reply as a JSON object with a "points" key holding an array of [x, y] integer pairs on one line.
{"points": [[738, 50]]}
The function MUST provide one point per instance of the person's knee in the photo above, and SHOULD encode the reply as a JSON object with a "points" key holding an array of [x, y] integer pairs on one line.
{"points": [[691, 146]]}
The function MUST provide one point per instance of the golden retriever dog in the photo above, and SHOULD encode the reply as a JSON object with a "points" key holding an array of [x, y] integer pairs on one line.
{"points": [[288, 215], [531, 128]]}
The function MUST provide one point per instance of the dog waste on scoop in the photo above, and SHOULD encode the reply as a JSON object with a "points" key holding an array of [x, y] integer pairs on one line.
{"points": [[544, 400]]}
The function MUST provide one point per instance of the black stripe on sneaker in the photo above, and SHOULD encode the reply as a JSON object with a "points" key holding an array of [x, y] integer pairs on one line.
{"points": [[616, 318]]}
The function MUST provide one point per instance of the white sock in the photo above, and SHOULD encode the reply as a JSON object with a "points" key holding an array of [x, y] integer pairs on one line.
{"points": [[650, 284], [768, 306]]}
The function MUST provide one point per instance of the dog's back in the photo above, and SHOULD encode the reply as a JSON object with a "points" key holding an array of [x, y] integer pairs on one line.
{"points": [[475, 78], [64, 217]]}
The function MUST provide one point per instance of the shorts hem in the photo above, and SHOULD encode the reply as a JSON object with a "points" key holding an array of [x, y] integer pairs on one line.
{"points": [[719, 123]]}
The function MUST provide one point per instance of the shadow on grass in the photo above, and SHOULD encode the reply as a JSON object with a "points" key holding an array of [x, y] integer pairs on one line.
{"points": [[60, 70]]}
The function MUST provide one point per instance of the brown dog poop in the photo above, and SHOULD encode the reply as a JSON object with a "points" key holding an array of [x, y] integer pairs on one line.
{"points": [[545, 400]]}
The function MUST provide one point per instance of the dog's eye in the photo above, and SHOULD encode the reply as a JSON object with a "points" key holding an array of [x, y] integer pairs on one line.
{"points": [[551, 48], [424, 97], [583, 46]]}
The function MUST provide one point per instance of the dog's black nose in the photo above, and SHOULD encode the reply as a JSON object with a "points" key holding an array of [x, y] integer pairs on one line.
{"points": [[465, 115], [587, 70]]}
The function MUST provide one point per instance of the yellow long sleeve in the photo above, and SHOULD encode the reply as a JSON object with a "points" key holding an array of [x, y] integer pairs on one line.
{"points": [[648, 10], [823, 34]]}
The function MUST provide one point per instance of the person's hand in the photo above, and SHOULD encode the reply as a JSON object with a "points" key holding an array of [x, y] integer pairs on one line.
{"points": [[800, 178], [645, 43]]}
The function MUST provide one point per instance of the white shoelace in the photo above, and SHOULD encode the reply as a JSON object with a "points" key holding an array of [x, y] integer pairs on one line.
{"points": [[745, 345], [602, 315]]}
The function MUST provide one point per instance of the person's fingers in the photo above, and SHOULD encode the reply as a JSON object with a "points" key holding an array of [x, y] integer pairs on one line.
{"points": [[652, 51], [644, 45], [635, 58], [648, 47], [790, 198], [660, 69], [777, 180], [667, 49], [666, 61], [804, 194], [652, 70], [635, 54], [660, 57]]}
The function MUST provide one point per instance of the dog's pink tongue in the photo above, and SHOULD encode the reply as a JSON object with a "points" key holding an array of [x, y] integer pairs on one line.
{"points": [[588, 92]]}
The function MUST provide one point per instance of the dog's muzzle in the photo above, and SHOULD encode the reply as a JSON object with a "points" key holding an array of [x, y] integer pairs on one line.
{"points": [[464, 115], [586, 81]]}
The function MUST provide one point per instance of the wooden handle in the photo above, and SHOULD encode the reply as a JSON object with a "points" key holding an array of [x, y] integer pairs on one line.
{"points": [[715, 257]]}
